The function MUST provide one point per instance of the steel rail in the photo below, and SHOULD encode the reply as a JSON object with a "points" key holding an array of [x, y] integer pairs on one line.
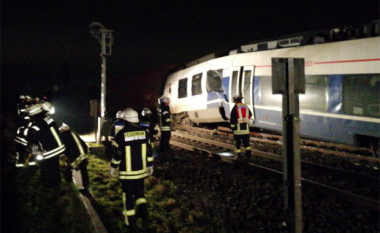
{"points": [[324, 189]]}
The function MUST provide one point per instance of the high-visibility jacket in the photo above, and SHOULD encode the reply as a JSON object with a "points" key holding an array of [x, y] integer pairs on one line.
{"points": [[132, 156], [239, 120], [164, 117], [45, 132], [23, 155]]}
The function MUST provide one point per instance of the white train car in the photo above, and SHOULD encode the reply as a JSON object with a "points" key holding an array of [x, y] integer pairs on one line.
{"points": [[341, 103]]}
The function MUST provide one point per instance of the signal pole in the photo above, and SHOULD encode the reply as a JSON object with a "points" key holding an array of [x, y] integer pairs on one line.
{"points": [[105, 39], [288, 79]]}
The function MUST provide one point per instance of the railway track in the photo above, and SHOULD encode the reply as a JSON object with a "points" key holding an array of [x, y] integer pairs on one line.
{"points": [[348, 185]]}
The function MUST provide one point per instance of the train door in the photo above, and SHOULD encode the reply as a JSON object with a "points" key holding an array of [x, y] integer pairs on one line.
{"points": [[242, 84], [235, 84], [247, 87]]}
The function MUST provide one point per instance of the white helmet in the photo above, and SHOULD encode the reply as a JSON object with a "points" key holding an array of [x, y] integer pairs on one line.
{"points": [[64, 127], [146, 111], [163, 99], [46, 106], [22, 97], [118, 114], [34, 109], [130, 115]]}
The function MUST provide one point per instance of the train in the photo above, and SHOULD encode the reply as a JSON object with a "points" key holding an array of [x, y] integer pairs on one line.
{"points": [[341, 103]]}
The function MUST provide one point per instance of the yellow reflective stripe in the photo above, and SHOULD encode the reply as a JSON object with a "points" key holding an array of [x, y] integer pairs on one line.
{"points": [[143, 149], [248, 148], [129, 212], [141, 201], [35, 127], [124, 201], [150, 159], [121, 177], [237, 150], [78, 143], [133, 172], [78, 160], [54, 152], [115, 144], [128, 165], [55, 134], [118, 128], [117, 162]]}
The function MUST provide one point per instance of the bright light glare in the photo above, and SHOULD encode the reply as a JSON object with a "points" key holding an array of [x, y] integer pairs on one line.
{"points": [[88, 137], [226, 154]]}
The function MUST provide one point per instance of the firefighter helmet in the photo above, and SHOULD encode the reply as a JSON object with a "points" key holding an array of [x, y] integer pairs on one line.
{"points": [[46, 106], [163, 99], [146, 111], [118, 114], [22, 97], [34, 109], [64, 127], [237, 98], [130, 115]]}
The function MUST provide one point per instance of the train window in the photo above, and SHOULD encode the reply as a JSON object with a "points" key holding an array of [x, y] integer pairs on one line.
{"points": [[214, 81], [234, 83], [316, 93], [315, 97], [361, 94], [247, 82], [266, 97], [182, 88], [196, 84]]}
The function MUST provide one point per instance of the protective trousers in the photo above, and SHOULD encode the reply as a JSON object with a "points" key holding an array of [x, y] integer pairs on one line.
{"points": [[245, 139], [133, 198], [164, 142], [50, 173]]}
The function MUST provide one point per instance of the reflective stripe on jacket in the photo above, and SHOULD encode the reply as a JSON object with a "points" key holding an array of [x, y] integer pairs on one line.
{"points": [[239, 120], [133, 156]]}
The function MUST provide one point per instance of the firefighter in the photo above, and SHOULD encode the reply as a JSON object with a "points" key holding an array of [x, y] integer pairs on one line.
{"points": [[135, 162], [148, 124], [117, 125], [44, 134], [239, 123], [165, 123], [76, 154], [22, 113], [21, 109], [24, 156]]}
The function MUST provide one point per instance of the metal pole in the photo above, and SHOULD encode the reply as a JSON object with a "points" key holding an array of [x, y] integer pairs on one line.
{"points": [[291, 148], [105, 39], [289, 80], [103, 87]]}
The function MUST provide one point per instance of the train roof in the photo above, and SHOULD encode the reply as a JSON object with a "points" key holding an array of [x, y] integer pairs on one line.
{"points": [[296, 39]]}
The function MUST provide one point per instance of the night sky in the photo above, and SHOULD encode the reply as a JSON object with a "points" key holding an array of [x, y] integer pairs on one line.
{"points": [[46, 43]]}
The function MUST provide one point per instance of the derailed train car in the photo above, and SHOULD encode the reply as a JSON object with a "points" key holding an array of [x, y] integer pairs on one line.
{"points": [[341, 103]]}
